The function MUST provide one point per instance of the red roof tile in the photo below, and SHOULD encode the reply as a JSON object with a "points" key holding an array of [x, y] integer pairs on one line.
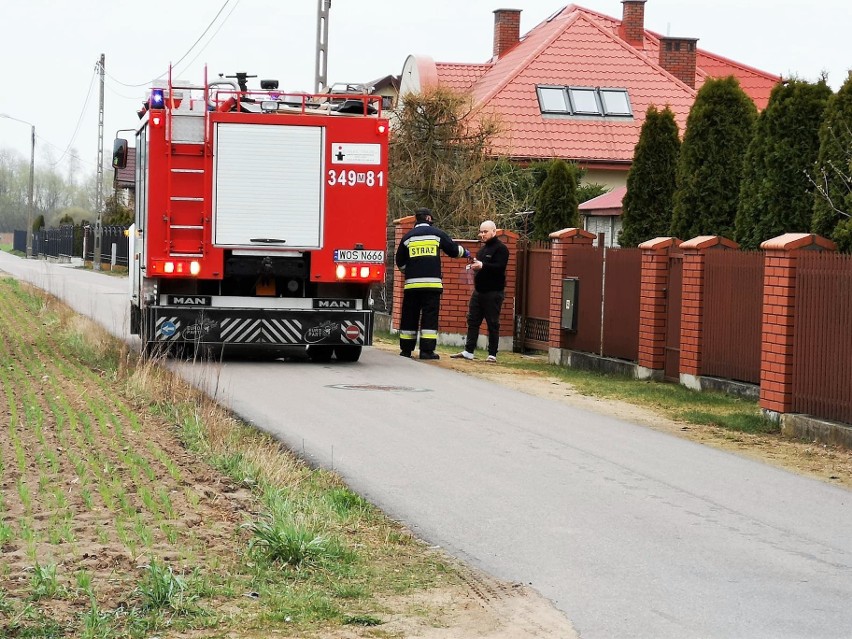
{"points": [[606, 204], [580, 47], [460, 77]]}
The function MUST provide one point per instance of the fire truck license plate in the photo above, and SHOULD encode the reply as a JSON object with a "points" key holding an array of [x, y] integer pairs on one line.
{"points": [[357, 255]]}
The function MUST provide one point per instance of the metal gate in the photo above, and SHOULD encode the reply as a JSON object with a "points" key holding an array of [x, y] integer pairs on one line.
{"points": [[532, 322]]}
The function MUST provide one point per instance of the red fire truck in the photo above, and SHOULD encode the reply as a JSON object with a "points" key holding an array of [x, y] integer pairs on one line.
{"points": [[260, 218]]}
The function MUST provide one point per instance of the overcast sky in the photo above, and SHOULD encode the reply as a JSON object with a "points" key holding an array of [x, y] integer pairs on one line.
{"points": [[49, 49]]}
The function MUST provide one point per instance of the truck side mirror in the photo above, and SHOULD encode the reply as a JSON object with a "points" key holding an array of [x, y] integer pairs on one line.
{"points": [[119, 153]]}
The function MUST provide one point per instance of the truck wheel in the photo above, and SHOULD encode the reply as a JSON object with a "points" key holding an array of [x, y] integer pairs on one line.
{"points": [[347, 353], [135, 319], [149, 347], [320, 354]]}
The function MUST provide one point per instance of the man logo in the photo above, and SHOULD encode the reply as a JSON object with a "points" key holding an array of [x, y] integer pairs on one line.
{"points": [[189, 300], [334, 304]]}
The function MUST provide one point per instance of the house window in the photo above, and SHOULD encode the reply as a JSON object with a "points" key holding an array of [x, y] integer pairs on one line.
{"points": [[584, 101], [615, 102], [552, 99]]}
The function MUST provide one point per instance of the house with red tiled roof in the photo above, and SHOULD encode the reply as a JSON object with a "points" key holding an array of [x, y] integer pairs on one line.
{"points": [[602, 215], [124, 180], [577, 85]]}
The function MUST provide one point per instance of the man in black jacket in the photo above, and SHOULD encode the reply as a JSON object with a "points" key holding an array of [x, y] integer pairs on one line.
{"points": [[488, 292], [418, 257]]}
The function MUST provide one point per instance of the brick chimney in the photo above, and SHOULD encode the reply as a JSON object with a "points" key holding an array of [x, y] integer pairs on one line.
{"points": [[677, 56], [507, 30], [632, 29]]}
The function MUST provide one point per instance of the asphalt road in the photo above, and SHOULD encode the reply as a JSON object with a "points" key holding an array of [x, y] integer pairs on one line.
{"points": [[629, 531]]}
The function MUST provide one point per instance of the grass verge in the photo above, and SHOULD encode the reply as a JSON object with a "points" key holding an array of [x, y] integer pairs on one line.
{"points": [[133, 506]]}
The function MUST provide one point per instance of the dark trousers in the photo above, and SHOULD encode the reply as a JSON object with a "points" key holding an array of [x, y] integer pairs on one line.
{"points": [[484, 305], [420, 309]]}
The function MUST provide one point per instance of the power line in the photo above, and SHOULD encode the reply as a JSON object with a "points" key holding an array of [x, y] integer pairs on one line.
{"points": [[148, 82], [79, 120], [203, 33], [215, 33]]}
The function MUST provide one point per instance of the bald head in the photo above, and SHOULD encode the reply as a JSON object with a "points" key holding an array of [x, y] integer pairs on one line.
{"points": [[487, 230]]}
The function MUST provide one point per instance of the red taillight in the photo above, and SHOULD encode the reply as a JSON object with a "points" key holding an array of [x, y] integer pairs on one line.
{"points": [[171, 267], [359, 272]]}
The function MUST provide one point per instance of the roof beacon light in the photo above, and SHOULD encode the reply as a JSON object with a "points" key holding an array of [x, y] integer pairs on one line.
{"points": [[156, 98]]}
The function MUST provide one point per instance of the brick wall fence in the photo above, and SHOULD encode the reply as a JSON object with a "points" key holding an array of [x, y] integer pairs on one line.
{"points": [[777, 325], [781, 255], [458, 286]]}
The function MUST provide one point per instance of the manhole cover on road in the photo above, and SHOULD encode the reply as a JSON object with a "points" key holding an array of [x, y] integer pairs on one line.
{"points": [[378, 387]]}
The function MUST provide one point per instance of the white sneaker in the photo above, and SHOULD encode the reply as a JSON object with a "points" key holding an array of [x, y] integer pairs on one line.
{"points": [[462, 355], [491, 359]]}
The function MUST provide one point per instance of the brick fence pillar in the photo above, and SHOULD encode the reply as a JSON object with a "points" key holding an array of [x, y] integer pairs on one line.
{"points": [[779, 315], [652, 305], [558, 267], [692, 304]]}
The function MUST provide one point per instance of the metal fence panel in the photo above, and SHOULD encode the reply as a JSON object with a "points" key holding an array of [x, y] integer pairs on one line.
{"points": [[622, 287], [535, 291], [586, 264], [109, 235], [732, 316], [822, 376]]}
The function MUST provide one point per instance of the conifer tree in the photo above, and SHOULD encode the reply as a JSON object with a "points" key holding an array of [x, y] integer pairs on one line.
{"points": [[833, 171], [776, 195], [718, 131], [556, 203], [647, 205]]}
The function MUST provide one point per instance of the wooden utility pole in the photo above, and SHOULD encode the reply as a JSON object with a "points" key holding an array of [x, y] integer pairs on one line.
{"points": [[99, 191]]}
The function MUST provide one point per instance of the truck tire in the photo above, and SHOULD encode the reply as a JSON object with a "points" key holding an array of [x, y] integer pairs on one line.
{"points": [[149, 347], [135, 319], [347, 353], [320, 354]]}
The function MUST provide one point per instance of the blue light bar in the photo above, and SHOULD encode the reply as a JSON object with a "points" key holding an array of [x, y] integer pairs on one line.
{"points": [[156, 101]]}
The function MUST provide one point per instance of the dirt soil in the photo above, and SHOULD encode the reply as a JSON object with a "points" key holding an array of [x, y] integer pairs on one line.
{"points": [[71, 525]]}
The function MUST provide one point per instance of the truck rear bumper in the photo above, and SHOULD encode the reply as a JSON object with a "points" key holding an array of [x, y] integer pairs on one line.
{"points": [[258, 327]]}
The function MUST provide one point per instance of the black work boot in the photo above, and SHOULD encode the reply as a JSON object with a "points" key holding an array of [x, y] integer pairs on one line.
{"points": [[429, 355], [405, 353]]}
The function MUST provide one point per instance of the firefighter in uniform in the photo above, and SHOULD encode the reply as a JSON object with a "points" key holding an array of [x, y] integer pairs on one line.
{"points": [[419, 260]]}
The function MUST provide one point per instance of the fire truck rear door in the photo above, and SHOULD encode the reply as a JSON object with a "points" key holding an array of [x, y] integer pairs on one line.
{"points": [[268, 185]]}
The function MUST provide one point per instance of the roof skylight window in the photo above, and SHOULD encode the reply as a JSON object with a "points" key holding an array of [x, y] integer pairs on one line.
{"points": [[553, 99], [615, 102], [584, 101]]}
